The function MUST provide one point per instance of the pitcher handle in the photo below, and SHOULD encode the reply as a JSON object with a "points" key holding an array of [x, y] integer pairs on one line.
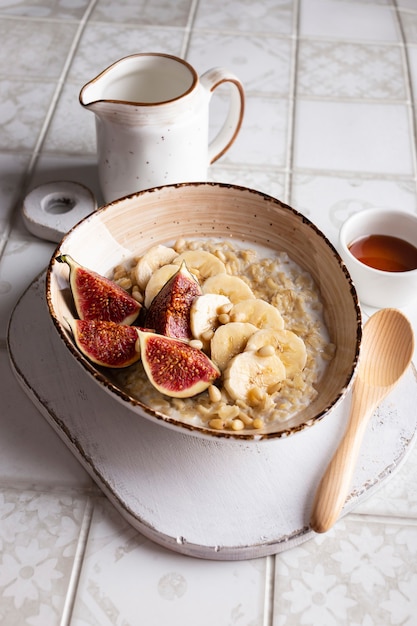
{"points": [[227, 134]]}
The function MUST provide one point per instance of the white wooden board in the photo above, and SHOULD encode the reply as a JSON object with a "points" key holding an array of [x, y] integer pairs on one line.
{"points": [[213, 499]]}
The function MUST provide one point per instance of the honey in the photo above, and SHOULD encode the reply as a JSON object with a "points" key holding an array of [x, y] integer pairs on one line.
{"points": [[384, 252]]}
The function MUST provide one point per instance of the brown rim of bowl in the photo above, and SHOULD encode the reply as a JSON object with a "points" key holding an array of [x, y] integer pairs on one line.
{"points": [[244, 435]]}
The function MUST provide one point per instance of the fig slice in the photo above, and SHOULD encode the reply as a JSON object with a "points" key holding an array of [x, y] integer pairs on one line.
{"points": [[175, 368], [97, 297], [169, 311], [106, 343]]}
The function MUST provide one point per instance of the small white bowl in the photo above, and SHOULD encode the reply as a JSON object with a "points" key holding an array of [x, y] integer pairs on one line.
{"points": [[375, 287]]}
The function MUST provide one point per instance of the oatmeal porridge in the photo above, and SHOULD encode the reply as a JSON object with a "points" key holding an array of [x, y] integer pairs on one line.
{"points": [[268, 310]]}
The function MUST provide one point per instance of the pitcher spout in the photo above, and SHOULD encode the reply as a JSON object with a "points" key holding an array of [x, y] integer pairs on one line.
{"points": [[93, 93], [143, 79], [112, 85]]}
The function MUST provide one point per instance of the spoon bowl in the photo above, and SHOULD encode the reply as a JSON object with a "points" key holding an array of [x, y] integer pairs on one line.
{"points": [[386, 351]]}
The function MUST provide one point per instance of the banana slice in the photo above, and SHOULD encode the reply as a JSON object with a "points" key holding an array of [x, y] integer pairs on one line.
{"points": [[228, 341], [153, 258], [157, 281], [204, 312], [258, 312], [249, 375], [289, 347], [201, 263], [231, 286]]}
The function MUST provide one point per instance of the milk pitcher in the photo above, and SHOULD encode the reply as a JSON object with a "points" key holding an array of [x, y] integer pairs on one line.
{"points": [[152, 122]]}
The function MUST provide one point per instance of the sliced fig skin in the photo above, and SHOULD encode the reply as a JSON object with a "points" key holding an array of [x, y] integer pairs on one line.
{"points": [[169, 311], [175, 368], [97, 297], [106, 343]]}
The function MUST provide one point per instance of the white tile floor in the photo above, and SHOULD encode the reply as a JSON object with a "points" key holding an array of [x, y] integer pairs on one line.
{"points": [[330, 128]]}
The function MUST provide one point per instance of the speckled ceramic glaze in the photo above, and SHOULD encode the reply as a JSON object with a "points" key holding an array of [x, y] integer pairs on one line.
{"points": [[152, 113], [130, 226]]}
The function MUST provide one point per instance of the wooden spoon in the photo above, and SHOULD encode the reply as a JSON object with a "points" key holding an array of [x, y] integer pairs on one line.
{"points": [[386, 351]]}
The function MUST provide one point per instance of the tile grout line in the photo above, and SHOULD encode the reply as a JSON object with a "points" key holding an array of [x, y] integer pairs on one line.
{"points": [[383, 518], [270, 580], [409, 87], [268, 616], [268, 613], [77, 564], [46, 123], [60, 85], [71, 593], [189, 28], [292, 104]]}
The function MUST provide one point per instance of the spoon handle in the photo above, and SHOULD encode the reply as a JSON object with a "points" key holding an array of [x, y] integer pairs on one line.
{"points": [[335, 483]]}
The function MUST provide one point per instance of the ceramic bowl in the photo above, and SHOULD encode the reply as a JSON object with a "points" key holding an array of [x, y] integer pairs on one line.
{"points": [[129, 226], [376, 287]]}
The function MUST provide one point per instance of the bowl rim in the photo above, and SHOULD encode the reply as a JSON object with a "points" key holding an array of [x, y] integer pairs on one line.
{"points": [[175, 423]]}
